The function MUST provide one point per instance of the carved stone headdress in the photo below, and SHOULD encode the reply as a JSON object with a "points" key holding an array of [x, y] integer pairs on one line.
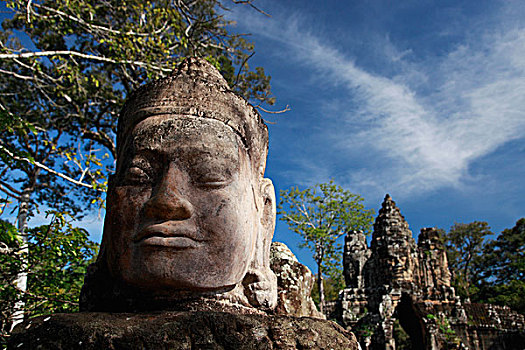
{"points": [[196, 88]]}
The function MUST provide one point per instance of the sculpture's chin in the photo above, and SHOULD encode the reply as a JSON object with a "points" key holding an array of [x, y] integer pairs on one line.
{"points": [[165, 268]]}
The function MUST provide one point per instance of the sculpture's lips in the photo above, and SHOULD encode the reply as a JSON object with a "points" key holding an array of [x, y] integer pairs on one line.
{"points": [[167, 235]]}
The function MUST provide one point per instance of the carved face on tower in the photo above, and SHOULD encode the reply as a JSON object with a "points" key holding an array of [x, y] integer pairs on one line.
{"points": [[399, 258], [188, 209]]}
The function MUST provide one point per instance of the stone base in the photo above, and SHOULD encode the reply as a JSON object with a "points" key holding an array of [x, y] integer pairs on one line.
{"points": [[178, 330]]}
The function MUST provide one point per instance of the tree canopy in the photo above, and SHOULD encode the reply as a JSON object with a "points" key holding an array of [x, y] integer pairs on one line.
{"points": [[55, 263], [488, 270], [503, 269], [464, 244]]}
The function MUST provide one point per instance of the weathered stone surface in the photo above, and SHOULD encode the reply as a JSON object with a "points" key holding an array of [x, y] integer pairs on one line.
{"points": [[187, 233], [410, 286], [179, 330], [434, 275], [471, 326], [189, 215], [394, 257], [294, 283], [355, 255], [391, 278]]}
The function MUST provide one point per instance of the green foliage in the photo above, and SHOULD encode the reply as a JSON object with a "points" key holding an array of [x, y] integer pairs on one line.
{"points": [[511, 294], [364, 329], [490, 271], [464, 244], [56, 263], [503, 269], [448, 334], [8, 235], [320, 215]]}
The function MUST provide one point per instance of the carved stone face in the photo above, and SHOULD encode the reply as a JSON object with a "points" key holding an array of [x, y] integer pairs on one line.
{"points": [[399, 258], [183, 211], [357, 248]]}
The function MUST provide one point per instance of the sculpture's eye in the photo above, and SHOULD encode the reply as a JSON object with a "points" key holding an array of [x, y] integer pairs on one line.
{"points": [[211, 172], [139, 172], [212, 180], [136, 174]]}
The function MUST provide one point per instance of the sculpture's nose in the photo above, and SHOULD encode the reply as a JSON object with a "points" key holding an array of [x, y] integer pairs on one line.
{"points": [[169, 203]]}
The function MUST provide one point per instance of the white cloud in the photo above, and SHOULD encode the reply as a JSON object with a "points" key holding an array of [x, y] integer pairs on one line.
{"points": [[474, 103]]}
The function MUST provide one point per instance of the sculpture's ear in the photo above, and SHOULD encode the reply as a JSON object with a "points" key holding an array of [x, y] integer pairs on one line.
{"points": [[260, 283], [269, 211]]}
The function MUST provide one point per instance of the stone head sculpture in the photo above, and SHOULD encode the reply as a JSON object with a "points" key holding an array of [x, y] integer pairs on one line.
{"points": [[190, 216]]}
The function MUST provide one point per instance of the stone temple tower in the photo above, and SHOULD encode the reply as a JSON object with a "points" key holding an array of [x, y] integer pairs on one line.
{"points": [[394, 252], [355, 255], [434, 274], [396, 286], [391, 273], [388, 281]]}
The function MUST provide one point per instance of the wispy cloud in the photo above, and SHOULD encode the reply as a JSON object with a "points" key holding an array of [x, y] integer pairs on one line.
{"points": [[464, 105]]}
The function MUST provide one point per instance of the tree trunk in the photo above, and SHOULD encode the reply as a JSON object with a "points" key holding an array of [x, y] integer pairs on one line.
{"points": [[320, 286], [467, 276], [21, 279]]}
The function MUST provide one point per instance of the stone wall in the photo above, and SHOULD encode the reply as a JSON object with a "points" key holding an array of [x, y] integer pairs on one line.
{"points": [[471, 326]]}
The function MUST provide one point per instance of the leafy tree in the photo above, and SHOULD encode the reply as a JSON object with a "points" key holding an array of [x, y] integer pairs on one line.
{"points": [[464, 244], [488, 271], [8, 237], [503, 270], [321, 214], [59, 255], [67, 66]]}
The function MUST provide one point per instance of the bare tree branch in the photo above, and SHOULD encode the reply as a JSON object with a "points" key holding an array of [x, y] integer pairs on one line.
{"points": [[12, 189], [241, 67], [23, 77], [81, 55], [94, 26], [103, 139], [250, 3], [42, 166], [286, 109]]}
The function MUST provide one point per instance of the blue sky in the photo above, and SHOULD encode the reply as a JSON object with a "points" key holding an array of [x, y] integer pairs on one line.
{"points": [[424, 100]]}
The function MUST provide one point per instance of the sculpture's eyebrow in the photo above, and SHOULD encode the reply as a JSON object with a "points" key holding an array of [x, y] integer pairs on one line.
{"points": [[185, 139], [192, 155], [146, 149]]}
